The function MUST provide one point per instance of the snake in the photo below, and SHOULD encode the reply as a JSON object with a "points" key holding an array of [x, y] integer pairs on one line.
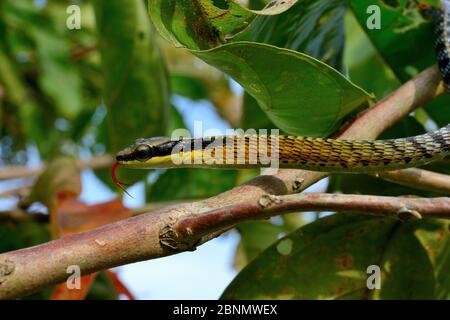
{"points": [[296, 152]]}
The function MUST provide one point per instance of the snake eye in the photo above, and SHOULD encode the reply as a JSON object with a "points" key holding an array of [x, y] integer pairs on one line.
{"points": [[143, 152]]}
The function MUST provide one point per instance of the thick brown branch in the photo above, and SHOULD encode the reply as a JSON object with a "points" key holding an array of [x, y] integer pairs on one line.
{"points": [[153, 235]]}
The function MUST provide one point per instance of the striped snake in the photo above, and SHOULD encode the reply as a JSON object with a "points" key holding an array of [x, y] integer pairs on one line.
{"points": [[316, 154]]}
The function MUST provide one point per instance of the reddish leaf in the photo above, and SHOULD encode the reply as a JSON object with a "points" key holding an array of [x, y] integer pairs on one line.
{"points": [[75, 216], [120, 287]]}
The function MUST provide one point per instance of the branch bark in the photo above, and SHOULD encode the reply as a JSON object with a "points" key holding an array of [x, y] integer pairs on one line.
{"points": [[170, 230], [153, 234]]}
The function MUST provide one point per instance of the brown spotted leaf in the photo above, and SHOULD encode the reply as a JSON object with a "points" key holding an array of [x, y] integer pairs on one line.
{"points": [[329, 259]]}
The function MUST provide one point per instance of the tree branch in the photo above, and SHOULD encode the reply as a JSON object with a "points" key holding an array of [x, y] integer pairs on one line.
{"points": [[152, 235], [168, 231], [267, 206]]}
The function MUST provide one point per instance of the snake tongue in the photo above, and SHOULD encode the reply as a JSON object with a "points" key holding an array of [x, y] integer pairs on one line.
{"points": [[116, 181]]}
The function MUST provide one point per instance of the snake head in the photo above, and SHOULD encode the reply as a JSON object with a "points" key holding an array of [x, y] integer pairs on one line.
{"points": [[141, 150], [147, 153]]}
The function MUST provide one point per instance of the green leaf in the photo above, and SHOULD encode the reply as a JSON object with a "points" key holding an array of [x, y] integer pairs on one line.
{"points": [[299, 94], [414, 262], [16, 235], [366, 66], [402, 29], [60, 79], [135, 81], [58, 76], [256, 236], [187, 86], [252, 115], [314, 27], [328, 259]]}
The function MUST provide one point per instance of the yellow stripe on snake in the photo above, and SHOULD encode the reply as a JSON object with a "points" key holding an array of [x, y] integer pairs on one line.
{"points": [[316, 154]]}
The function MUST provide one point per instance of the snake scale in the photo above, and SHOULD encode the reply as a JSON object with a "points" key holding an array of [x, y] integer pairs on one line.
{"points": [[316, 154]]}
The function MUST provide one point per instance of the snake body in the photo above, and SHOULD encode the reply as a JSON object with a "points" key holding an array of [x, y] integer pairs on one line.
{"points": [[316, 154], [441, 18]]}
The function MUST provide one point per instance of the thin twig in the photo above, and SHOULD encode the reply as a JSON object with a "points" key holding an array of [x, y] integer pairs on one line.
{"points": [[18, 172], [419, 179]]}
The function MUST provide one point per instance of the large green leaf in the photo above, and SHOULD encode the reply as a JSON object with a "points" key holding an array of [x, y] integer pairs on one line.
{"points": [[135, 81], [312, 27], [328, 259], [300, 94]]}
